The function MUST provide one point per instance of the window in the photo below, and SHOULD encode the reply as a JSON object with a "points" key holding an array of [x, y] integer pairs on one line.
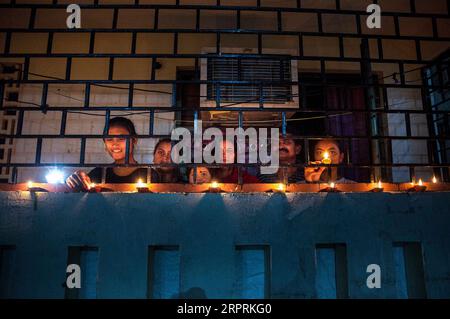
{"points": [[438, 99]]}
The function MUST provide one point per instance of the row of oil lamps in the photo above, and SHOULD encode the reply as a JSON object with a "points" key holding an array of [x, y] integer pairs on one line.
{"points": [[56, 177], [214, 187]]}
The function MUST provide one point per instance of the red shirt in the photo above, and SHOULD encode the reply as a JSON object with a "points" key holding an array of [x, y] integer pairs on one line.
{"points": [[246, 178]]}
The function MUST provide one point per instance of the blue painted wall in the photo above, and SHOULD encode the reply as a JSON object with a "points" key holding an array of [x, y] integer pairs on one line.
{"points": [[207, 228]]}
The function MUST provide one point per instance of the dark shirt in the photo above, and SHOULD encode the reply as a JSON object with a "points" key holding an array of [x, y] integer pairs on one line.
{"points": [[233, 178], [156, 177], [298, 177], [96, 176]]}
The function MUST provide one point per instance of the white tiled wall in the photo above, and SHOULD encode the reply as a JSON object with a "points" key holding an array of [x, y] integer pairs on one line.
{"points": [[408, 151], [67, 150]]}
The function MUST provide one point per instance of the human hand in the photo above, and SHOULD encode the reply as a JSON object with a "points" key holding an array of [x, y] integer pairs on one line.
{"points": [[312, 174], [79, 180]]}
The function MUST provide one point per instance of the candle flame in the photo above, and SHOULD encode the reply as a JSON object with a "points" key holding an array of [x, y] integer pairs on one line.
{"points": [[30, 184], [380, 185], [214, 184], [281, 187], [332, 185], [420, 182], [326, 158], [92, 185], [434, 180], [140, 184]]}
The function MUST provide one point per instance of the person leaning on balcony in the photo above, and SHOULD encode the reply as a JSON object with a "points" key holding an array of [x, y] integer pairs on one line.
{"points": [[229, 174], [116, 148], [289, 149], [324, 174], [162, 155]]}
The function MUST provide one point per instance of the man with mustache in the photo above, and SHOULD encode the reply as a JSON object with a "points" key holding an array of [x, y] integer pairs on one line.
{"points": [[289, 149]]}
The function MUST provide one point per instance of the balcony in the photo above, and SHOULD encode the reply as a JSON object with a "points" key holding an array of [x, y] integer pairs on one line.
{"points": [[311, 72]]}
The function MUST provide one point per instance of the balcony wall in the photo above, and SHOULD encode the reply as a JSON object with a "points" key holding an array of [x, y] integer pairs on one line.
{"points": [[207, 227]]}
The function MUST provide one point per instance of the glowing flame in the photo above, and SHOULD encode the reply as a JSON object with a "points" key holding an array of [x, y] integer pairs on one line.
{"points": [[420, 182], [214, 184], [281, 187], [55, 177], [92, 185], [30, 184], [434, 180], [141, 184], [332, 185], [380, 185], [326, 158]]}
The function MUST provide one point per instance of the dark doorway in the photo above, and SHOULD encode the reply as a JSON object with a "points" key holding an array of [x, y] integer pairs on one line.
{"points": [[188, 97], [319, 96]]}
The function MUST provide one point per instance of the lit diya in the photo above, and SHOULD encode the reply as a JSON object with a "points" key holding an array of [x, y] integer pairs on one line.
{"points": [[418, 187], [142, 187], [378, 188], [214, 187]]}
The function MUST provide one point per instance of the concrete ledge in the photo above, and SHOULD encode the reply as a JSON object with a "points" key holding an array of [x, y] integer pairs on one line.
{"points": [[206, 227]]}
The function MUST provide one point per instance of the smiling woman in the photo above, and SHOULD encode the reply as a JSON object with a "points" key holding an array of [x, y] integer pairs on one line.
{"points": [[116, 147]]}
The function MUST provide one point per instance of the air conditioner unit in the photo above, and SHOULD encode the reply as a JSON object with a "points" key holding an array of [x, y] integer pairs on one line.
{"points": [[275, 65]]}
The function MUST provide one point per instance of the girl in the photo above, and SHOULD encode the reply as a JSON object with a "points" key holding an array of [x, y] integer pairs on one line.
{"points": [[321, 174], [162, 155], [116, 148]]}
